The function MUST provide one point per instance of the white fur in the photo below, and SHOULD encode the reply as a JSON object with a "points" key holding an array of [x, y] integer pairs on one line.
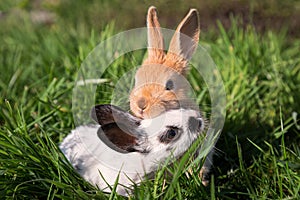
{"points": [[90, 156]]}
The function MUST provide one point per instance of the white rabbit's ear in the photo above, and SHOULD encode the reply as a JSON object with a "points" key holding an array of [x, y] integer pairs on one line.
{"points": [[118, 139], [155, 38], [186, 37], [119, 130], [106, 114]]}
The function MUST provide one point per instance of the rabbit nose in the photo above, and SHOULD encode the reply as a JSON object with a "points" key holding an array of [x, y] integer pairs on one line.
{"points": [[142, 103]]}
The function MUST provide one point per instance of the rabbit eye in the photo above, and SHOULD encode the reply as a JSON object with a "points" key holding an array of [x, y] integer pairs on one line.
{"points": [[169, 135], [169, 85]]}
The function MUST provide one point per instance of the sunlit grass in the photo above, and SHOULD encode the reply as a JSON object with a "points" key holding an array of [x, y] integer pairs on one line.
{"points": [[258, 153]]}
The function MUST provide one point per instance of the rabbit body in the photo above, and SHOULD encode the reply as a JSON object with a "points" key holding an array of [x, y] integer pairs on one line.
{"points": [[91, 155]]}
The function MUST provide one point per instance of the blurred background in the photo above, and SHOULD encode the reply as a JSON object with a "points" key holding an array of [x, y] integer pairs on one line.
{"points": [[263, 14]]}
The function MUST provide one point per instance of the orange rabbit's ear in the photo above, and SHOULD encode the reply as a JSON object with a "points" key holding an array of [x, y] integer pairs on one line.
{"points": [[185, 40], [155, 39]]}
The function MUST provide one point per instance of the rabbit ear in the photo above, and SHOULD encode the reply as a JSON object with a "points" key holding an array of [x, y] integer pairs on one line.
{"points": [[186, 37], [117, 139], [119, 129], [155, 39], [106, 114]]}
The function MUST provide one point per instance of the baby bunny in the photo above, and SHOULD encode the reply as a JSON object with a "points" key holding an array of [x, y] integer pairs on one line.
{"points": [[126, 146], [160, 82]]}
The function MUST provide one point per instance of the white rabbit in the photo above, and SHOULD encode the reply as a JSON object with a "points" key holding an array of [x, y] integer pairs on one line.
{"points": [[127, 146]]}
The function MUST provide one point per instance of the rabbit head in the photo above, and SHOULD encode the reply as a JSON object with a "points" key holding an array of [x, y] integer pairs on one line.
{"points": [[173, 131], [160, 82]]}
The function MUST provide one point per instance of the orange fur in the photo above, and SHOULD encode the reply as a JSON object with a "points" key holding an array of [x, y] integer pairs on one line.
{"points": [[150, 97]]}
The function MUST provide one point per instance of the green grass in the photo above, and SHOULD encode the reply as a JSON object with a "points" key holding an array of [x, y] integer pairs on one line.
{"points": [[258, 153]]}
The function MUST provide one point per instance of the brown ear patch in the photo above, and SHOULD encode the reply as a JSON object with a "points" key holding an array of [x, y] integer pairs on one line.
{"points": [[116, 138], [106, 114], [102, 114]]}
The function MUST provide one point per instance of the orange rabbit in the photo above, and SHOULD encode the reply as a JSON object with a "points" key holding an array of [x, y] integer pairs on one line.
{"points": [[160, 82]]}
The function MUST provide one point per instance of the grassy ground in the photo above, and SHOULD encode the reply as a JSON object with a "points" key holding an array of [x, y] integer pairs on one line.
{"points": [[258, 154]]}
